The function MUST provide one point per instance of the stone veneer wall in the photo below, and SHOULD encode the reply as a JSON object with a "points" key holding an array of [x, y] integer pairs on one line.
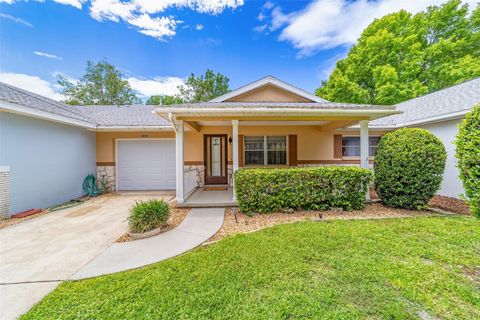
{"points": [[108, 175]]}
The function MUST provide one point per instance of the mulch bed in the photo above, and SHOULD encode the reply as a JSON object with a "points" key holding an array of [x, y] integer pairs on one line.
{"points": [[244, 223], [450, 204], [176, 217]]}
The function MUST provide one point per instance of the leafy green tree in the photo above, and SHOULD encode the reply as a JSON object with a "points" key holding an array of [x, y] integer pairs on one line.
{"points": [[102, 84], [164, 100], [204, 87], [401, 56]]}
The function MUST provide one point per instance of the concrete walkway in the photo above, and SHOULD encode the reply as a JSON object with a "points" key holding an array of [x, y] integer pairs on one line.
{"points": [[36, 255], [196, 228]]}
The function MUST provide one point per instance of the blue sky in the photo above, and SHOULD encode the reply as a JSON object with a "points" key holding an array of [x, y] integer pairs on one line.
{"points": [[157, 44]]}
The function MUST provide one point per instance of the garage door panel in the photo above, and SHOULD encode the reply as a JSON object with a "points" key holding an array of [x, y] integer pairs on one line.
{"points": [[146, 164]]}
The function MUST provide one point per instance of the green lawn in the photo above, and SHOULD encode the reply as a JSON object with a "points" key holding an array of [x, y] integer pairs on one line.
{"points": [[375, 269]]}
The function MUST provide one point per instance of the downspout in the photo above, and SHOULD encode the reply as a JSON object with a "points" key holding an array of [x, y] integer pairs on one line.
{"points": [[170, 118]]}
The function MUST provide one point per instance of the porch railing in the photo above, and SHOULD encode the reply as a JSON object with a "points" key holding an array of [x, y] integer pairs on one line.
{"points": [[190, 181]]}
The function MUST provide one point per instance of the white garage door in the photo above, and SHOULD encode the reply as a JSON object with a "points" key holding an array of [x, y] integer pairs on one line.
{"points": [[146, 164]]}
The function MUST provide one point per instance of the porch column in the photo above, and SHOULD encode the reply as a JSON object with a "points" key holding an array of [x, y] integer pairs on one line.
{"points": [[234, 152], [364, 150], [364, 144], [179, 159]]}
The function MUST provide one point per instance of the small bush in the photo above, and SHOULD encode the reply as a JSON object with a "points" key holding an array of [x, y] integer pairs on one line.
{"points": [[409, 165], [468, 155], [148, 215], [321, 188]]}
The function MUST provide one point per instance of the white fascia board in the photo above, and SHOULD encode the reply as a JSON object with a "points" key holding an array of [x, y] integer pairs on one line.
{"points": [[415, 123], [38, 114], [275, 112], [264, 81], [133, 128], [435, 119]]}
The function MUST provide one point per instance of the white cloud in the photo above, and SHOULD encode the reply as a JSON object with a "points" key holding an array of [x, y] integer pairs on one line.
{"points": [[325, 24], [30, 83], [15, 19], [199, 27], [75, 3], [140, 13], [47, 55], [155, 27], [155, 86]]}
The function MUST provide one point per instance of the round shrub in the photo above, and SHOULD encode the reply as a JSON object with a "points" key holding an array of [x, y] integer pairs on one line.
{"points": [[148, 215], [409, 165], [468, 155]]}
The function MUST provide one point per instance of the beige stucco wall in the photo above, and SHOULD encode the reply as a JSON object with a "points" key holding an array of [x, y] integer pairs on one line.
{"points": [[312, 144], [268, 93]]}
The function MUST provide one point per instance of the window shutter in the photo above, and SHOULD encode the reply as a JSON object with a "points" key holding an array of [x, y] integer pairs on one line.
{"points": [[292, 150], [240, 150], [337, 146]]}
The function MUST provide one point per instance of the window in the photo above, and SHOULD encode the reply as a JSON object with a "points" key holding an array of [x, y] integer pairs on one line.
{"points": [[351, 146], [263, 150]]}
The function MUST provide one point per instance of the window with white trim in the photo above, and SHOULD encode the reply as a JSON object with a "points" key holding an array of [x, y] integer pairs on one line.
{"points": [[351, 146], [265, 150]]}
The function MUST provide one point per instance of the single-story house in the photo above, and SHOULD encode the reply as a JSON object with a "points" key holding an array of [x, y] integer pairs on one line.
{"points": [[47, 148]]}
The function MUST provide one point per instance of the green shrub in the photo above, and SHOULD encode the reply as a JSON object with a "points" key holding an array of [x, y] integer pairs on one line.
{"points": [[468, 155], [148, 215], [409, 165], [321, 188]]}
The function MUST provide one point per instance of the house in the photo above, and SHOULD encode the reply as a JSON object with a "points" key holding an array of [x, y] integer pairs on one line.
{"points": [[439, 112], [47, 147]]}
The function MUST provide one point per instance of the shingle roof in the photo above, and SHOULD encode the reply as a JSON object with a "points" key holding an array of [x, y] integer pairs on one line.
{"points": [[135, 115], [279, 105], [460, 97], [31, 100]]}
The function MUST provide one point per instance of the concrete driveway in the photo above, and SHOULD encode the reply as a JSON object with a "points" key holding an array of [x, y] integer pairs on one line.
{"points": [[37, 254]]}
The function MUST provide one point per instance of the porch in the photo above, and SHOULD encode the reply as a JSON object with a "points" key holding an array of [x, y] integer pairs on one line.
{"points": [[209, 197], [211, 143]]}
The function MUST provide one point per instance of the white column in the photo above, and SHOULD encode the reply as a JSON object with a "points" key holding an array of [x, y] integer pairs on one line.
{"points": [[179, 160], [364, 150], [234, 152], [364, 144]]}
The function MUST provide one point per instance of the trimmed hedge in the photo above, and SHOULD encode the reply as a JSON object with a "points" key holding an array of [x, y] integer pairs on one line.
{"points": [[409, 165], [320, 188], [468, 155], [148, 215]]}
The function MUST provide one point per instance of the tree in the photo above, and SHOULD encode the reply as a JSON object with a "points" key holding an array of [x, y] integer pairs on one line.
{"points": [[164, 100], [401, 56], [204, 87], [102, 84]]}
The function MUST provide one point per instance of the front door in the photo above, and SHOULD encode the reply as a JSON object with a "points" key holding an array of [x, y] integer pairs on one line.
{"points": [[215, 151]]}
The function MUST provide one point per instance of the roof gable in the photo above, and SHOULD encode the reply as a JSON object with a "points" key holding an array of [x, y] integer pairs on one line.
{"points": [[269, 88]]}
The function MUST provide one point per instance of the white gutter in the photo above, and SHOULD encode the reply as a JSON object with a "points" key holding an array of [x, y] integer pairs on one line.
{"points": [[132, 128], [431, 120], [435, 119], [44, 115], [170, 118], [280, 112]]}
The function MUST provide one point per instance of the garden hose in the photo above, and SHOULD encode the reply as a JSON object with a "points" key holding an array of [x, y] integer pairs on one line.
{"points": [[90, 189]]}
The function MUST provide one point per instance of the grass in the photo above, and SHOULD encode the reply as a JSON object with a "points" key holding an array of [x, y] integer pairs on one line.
{"points": [[375, 269]]}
